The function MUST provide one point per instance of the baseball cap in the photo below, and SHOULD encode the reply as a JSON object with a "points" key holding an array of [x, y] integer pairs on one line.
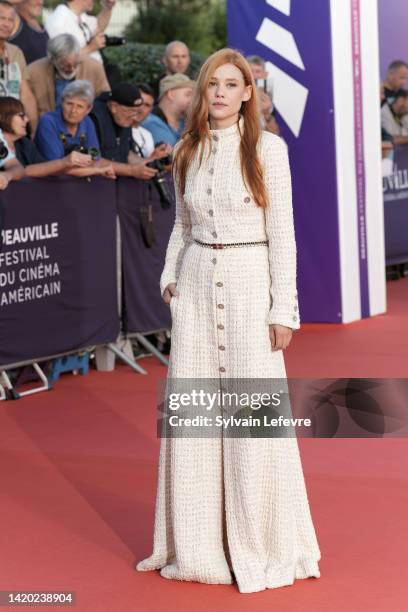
{"points": [[174, 81], [125, 94]]}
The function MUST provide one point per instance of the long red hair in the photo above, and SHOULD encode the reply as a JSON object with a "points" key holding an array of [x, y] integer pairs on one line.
{"points": [[198, 132]]}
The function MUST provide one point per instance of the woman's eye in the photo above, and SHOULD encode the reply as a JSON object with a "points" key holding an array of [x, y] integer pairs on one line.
{"points": [[232, 84], [211, 84]]}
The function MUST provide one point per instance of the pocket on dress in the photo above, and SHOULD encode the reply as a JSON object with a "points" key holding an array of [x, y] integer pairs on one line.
{"points": [[173, 304]]}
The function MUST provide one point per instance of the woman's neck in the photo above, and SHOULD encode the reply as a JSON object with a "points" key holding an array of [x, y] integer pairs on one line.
{"points": [[220, 124], [10, 139]]}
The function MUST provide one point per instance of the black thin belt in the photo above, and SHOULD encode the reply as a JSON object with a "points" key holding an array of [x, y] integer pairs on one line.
{"points": [[214, 245]]}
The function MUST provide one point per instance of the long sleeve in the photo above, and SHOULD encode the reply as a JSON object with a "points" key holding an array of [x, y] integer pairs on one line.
{"points": [[180, 239], [280, 231]]}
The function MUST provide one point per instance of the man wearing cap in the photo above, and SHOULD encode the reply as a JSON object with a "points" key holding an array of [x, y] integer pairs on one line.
{"points": [[113, 115], [166, 121]]}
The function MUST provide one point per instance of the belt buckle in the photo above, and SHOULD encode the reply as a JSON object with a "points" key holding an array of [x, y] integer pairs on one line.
{"points": [[218, 246]]}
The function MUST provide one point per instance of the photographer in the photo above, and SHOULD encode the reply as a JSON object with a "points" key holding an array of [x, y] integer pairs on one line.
{"points": [[166, 121], [13, 123], [69, 129], [73, 18], [266, 107], [113, 115], [394, 119], [64, 63], [143, 143]]}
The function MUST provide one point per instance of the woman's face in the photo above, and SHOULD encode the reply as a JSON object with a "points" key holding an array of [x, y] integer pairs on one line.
{"points": [[19, 124], [226, 92], [75, 109]]}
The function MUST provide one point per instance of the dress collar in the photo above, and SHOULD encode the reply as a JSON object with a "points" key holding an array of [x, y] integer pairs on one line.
{"points": [[234, 130]]}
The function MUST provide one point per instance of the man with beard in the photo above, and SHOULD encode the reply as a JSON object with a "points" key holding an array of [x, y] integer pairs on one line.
{"points": [[50, 75]]}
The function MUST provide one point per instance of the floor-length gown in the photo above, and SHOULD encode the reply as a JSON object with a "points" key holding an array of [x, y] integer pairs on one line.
{"points": [[232, 507]]}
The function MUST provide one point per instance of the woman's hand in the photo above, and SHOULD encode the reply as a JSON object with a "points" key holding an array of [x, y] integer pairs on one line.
{"points": [[169, 291], [280, 336]]}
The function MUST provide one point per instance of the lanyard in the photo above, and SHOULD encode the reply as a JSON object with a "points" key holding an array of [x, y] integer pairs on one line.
{"points": [[86, 31], [4, 66]]}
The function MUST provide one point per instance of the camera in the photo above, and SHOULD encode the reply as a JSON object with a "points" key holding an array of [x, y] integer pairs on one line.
{"points": [[80, 147], [92, 151], [160, 181], [3, 150], [115, 41]]}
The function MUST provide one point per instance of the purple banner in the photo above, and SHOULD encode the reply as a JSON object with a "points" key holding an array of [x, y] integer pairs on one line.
{"points": [[145, 233], [393, 27], [395, 191], [304, 61], [57, 267]]}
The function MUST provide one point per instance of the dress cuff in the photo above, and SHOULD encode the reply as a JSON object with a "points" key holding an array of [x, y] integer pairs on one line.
{"points": [[285, 314]]}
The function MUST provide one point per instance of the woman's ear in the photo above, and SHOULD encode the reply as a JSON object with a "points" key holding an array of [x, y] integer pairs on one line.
{"points": [[247, 93]]}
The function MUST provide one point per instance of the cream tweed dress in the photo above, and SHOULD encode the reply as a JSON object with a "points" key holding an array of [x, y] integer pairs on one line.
{"points": [[232, 507]]}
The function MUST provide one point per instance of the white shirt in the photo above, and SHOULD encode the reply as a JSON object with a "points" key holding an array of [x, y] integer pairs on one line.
{"points": [[391, 125], [64, 21], [144, 139], [10, 155]]}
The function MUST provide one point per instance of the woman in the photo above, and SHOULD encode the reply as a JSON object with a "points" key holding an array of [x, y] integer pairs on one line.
{"points": [[14, 122], [227, 504]]}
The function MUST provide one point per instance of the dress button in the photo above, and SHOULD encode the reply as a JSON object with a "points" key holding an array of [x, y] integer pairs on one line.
{"points": [[220, 326], [221, 348], [221, 306], [214, 234], [295, 308], [214, 260], [214, 150], [215, 137], [211, 171], [295, 318], [219, 284], [247, 199], [211, 212], [222, 369], [209, 191]]}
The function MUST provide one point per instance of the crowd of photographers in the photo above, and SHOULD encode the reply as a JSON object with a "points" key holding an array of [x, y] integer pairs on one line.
{"points": [[394, 130], [65, 109]]}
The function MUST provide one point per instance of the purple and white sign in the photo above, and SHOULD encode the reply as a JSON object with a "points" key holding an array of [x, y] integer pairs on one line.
{"points": [[299, 61], [324, 93]]}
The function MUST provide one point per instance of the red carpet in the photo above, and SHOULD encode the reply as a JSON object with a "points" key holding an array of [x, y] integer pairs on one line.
{"points": [[78, 479]]}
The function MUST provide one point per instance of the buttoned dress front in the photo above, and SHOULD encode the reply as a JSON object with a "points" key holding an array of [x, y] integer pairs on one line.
{"points": [[232, 506]]}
